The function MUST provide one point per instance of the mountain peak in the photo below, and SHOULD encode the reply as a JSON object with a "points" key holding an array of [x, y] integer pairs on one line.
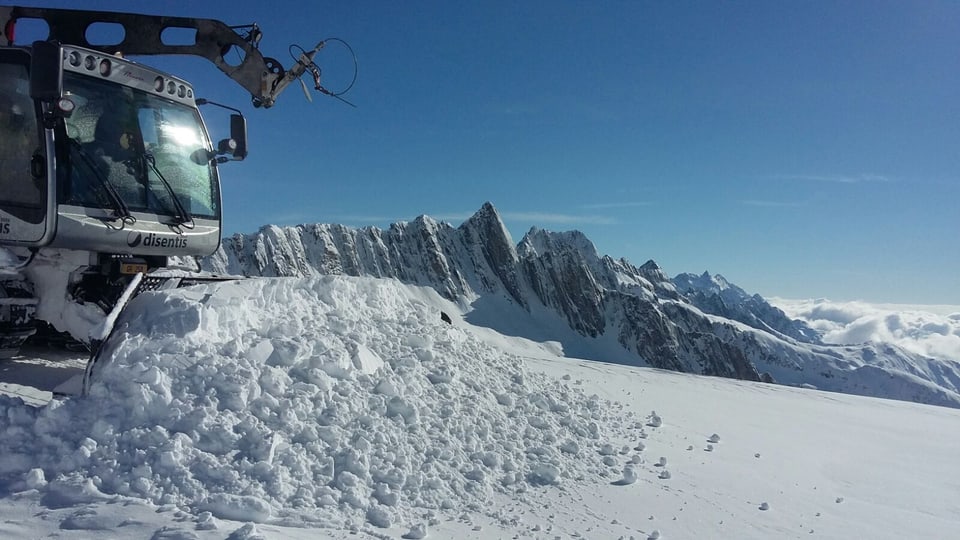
{"points": [[487, 212], [486, 221], [487, 206], [540, 241], [651, 266], [425, 219], [712, 283], [715, 295]]}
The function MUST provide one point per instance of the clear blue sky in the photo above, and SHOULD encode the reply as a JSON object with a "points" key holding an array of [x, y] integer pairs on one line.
{"points": [[801, 149]]}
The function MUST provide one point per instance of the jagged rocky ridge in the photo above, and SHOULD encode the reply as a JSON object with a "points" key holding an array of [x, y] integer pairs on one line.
{"points": [[717, 296], [695, 325]]}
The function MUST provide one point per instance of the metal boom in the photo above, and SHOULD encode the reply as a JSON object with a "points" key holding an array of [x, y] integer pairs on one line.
{"points": [[263, 77]]}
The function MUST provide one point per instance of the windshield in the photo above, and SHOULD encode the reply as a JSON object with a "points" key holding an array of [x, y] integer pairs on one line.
{"points": [[21, 193], [125, 143]]}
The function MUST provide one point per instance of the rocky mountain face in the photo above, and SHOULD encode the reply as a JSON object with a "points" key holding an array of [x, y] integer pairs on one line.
{"points": [[693, 324], [717, 296]]}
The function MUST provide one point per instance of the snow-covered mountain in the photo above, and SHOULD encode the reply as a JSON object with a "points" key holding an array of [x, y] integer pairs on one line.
{"points": [[620, 312], [715, 295]]}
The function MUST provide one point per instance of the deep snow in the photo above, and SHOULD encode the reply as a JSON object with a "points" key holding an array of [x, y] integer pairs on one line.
{"points": [[336, 407]]}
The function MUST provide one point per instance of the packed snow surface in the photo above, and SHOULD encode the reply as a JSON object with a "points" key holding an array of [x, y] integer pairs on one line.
{"points": [[333, 407]]}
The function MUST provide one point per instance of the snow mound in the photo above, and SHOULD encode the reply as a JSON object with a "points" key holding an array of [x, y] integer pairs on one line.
{"points": [[343, 399]]}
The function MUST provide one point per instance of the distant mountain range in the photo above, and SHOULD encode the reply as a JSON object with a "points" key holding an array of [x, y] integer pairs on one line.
{"points": [[717, 296], [594, 306]]}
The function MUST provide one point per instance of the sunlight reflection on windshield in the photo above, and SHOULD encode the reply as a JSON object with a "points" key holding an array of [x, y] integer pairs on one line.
{"points": [[182, 135]]}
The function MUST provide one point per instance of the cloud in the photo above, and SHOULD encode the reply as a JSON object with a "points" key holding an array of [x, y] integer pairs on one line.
{"points": [[608, 206], [361, 219], [289, 219], [932, 331], [451, 217], [836, 178], [564, 219], [772, 204]]}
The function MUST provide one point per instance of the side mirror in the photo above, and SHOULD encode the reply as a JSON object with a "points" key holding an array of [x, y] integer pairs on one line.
{"points": [[236, 145], [46, 72], [238, 132]]}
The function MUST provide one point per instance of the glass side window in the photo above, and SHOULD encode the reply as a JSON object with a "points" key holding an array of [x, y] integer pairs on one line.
{"points": [[20, 193], [124, 143]]}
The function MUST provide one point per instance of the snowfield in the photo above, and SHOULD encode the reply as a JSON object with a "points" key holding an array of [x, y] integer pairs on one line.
{"points": [[340, 407]]}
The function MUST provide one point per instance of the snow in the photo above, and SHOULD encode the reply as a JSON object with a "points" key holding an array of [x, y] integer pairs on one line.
{"points": [[51, 271], [338, 407]]}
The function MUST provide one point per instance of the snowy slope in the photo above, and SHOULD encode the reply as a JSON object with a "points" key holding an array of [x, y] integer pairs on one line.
{"points": [[552, 282], [341, 407]]}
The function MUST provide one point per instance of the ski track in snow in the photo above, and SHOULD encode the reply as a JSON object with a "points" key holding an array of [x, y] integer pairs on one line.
{"points": [[344, 407]]}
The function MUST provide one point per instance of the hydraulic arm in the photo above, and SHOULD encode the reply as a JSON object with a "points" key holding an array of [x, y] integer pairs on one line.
{"points": [[263, 77]]}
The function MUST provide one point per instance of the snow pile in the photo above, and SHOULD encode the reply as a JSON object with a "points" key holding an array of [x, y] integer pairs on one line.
{"points": [[334, 400]]}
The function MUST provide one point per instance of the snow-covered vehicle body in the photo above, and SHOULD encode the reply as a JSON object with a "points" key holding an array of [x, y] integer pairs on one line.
{"points": [[107, 170]]}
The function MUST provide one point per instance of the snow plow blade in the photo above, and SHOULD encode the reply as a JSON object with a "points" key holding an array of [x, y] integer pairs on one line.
{"points": [[139, 284]]}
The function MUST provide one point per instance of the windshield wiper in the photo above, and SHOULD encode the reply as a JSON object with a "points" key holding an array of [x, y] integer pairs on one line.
{"points": [[119, 207], [182, 216]]}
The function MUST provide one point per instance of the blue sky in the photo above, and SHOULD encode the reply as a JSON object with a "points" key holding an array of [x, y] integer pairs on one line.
{"points": [[801, 149]]}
